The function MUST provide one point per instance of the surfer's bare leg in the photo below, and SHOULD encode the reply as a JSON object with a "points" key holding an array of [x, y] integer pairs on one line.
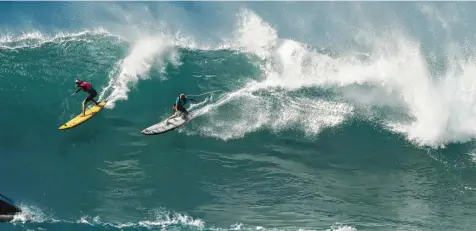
{"points": [[174, 109], [182, 110], [173, 114], [89, 98], [185, 114], [84, 107]]}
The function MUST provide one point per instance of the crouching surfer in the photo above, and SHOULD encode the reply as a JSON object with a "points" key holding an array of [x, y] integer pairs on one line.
{"points": [[179, 106], [88, 88]]}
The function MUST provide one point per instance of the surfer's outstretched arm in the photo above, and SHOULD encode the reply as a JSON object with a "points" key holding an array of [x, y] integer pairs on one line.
{"points": [[79, 89]]}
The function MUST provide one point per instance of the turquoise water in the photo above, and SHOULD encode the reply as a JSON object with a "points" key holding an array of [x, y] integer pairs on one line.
{"points": [[312, 116]]}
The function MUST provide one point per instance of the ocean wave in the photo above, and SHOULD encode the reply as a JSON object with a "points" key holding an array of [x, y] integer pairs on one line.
{"points": [[392, 71]]}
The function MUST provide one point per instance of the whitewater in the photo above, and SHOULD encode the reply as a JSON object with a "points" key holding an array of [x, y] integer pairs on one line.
{"points": [[311, 115]]}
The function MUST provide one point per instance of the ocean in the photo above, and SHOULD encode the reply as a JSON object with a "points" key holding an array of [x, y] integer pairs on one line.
{"points": [[311, 115]]}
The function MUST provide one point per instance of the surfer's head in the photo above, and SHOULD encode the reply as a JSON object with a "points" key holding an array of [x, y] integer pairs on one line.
{"points": [[182, 96], [78, 81]]}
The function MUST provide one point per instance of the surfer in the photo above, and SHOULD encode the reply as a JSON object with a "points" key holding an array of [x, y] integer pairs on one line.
{"points": [[179, 105], [88, 88]]}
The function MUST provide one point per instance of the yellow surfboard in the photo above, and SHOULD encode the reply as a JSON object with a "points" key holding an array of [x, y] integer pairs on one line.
{"points": [[79, 119]]}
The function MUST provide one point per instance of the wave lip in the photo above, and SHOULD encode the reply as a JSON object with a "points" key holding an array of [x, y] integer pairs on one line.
{"points": [[37, 39]]}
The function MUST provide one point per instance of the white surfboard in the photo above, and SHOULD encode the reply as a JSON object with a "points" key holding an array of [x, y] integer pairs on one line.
{"points": [[167, 125]]}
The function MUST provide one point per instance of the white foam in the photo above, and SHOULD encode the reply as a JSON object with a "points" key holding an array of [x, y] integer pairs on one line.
{"points": [[161, 219], [342, 228], [393, 73], [253, 35], [31, 213], [281, 68], [247, 113], [35, 39]]}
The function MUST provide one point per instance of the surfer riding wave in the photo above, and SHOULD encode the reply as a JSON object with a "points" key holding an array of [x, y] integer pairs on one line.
{"points": [[88, 88], [179, 105]]}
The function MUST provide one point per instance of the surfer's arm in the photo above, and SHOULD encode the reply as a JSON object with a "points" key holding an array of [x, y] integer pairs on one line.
{"points": [[79, 89]]}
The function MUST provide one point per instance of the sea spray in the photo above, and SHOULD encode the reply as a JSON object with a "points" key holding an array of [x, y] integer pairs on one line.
{"points": [[145, 53]]}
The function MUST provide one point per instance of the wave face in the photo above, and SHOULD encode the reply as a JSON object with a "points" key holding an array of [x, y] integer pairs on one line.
{"points": [[311, 116]]}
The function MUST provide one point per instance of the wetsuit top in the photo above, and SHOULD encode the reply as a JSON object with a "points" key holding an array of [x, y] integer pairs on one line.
{"points": [[180, 103], [85, 86]]}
